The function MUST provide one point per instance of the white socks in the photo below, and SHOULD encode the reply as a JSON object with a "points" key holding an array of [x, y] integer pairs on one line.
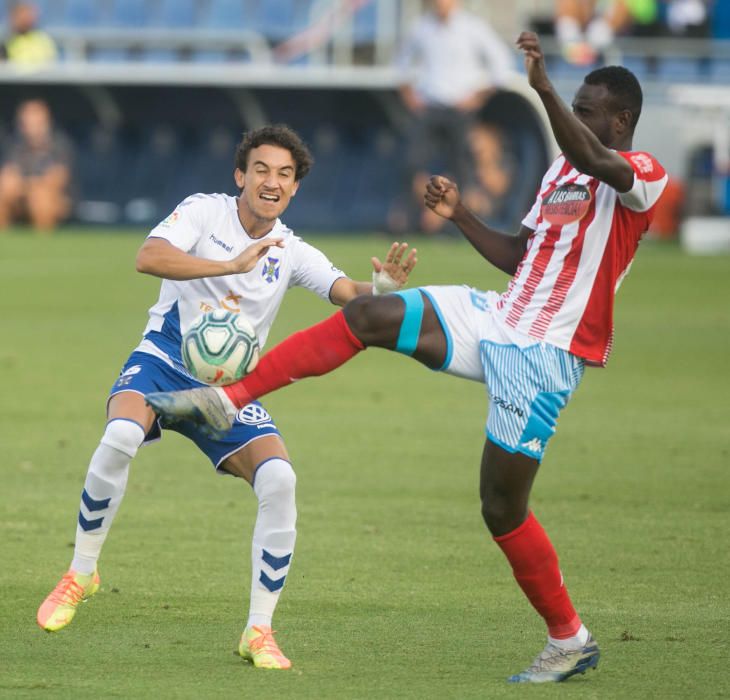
{"points": [[577, 641], [274, 533], [104, 489], [273, 537]]}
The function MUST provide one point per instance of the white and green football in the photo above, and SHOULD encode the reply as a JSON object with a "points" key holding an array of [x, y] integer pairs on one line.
{"points": [[220, 347]]}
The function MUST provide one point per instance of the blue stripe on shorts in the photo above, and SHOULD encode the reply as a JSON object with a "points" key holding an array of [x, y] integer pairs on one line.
{"points": [[410, 329]]}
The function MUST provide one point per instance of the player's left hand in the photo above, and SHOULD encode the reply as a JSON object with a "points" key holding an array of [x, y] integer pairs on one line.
{"points": [[248, 259], [397, 266], [534, 61]]}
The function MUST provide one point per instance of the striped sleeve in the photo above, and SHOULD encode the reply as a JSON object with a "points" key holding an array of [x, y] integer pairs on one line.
{"points": [[650, 179]]}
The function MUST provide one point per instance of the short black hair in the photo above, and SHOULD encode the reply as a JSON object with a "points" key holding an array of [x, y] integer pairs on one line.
{"points": [[276, 135], [623, 86]]}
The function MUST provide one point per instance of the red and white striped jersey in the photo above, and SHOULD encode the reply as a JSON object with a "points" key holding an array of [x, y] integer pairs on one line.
{"points": [[585, 237]]}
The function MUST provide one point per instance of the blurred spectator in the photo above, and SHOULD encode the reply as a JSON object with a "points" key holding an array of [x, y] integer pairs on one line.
{"points": [[493, 168], [36, 173], [688, 17], [26, 45], [452, 62], [586, 27]]}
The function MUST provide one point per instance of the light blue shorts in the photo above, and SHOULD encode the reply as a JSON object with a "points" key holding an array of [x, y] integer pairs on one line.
{"points": [[528, 381]]}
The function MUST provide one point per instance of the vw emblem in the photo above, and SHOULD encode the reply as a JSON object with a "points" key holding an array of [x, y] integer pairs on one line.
{"points": [[253, 414]]}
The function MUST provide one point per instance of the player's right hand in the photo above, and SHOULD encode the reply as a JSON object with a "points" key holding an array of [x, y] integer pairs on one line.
{"points": [[442, 196], [529, 44], [247, 260]]}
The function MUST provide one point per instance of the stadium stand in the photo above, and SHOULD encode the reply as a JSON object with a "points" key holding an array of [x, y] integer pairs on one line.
{"points": [[131, 13], [83, 13], [336, 85], [176, 14]]}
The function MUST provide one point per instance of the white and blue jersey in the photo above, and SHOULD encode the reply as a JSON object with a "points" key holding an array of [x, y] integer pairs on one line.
{"points": [[207, 226]]}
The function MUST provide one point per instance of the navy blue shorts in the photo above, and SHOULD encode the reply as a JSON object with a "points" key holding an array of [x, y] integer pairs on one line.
{"points": [[144, 373]]}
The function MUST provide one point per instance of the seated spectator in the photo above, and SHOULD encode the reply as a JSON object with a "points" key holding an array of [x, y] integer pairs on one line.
{"points": [[494, 170], [36, 172], [585, 28], [688, 18], [27, 46], [451, 63]]}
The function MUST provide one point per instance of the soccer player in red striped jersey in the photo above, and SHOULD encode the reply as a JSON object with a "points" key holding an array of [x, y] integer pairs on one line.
{"points": [[530, 345]]}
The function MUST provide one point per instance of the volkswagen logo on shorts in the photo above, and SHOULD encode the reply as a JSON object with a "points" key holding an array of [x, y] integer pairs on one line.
{"points": [[253, 415]]}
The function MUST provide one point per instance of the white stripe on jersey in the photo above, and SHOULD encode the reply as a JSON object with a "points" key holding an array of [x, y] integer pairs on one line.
{"points": [[582, 247], [533, 321], [564, 321]]}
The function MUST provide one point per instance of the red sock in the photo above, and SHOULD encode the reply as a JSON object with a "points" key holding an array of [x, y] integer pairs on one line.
{"points": [[308, 353], [535, 566]]}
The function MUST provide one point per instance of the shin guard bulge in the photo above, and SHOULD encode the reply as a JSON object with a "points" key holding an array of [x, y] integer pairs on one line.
{"points": [[535, 566], [103, 491]]}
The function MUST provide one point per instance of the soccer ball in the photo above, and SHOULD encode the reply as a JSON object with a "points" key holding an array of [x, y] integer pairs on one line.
{"points": [[220, 347]]}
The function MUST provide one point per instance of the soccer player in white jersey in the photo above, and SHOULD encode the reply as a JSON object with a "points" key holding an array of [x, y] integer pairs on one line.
{"points": [[217, 251], [529, 345]]}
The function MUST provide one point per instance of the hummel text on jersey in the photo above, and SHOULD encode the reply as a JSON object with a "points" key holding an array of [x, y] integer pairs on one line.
{"points": [[222, 244]]}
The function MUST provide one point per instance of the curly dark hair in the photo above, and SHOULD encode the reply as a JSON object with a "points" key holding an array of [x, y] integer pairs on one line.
{"points": [[623, 86], [276, 135]]}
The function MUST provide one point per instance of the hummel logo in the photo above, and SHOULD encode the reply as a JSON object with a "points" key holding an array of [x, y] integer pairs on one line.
{"points": [[222, 244], [533, 445]]}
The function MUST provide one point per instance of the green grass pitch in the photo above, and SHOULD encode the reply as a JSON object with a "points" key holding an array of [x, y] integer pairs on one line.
{"points": [[396, 590]]}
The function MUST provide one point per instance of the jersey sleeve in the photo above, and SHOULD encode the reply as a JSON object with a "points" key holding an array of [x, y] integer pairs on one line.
{"points": [[313, 270], [184, 226], [650, 179]]}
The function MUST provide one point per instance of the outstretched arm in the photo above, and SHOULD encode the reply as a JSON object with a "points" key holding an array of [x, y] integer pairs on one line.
{"points": [[387, 276], [161, 258], [578, 143], [503, 250]]}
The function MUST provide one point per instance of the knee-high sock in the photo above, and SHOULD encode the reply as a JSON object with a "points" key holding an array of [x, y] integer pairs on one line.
{"points": [[274, 536], [103, 490], [308, 353], [535, 566]]}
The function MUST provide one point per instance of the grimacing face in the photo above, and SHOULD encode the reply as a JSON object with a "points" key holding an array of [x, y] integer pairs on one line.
{"points": [[268, 183]]}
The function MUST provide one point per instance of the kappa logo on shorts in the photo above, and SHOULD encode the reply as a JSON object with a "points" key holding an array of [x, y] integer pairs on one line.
{"points": [[533, 445], [253, 415]]}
